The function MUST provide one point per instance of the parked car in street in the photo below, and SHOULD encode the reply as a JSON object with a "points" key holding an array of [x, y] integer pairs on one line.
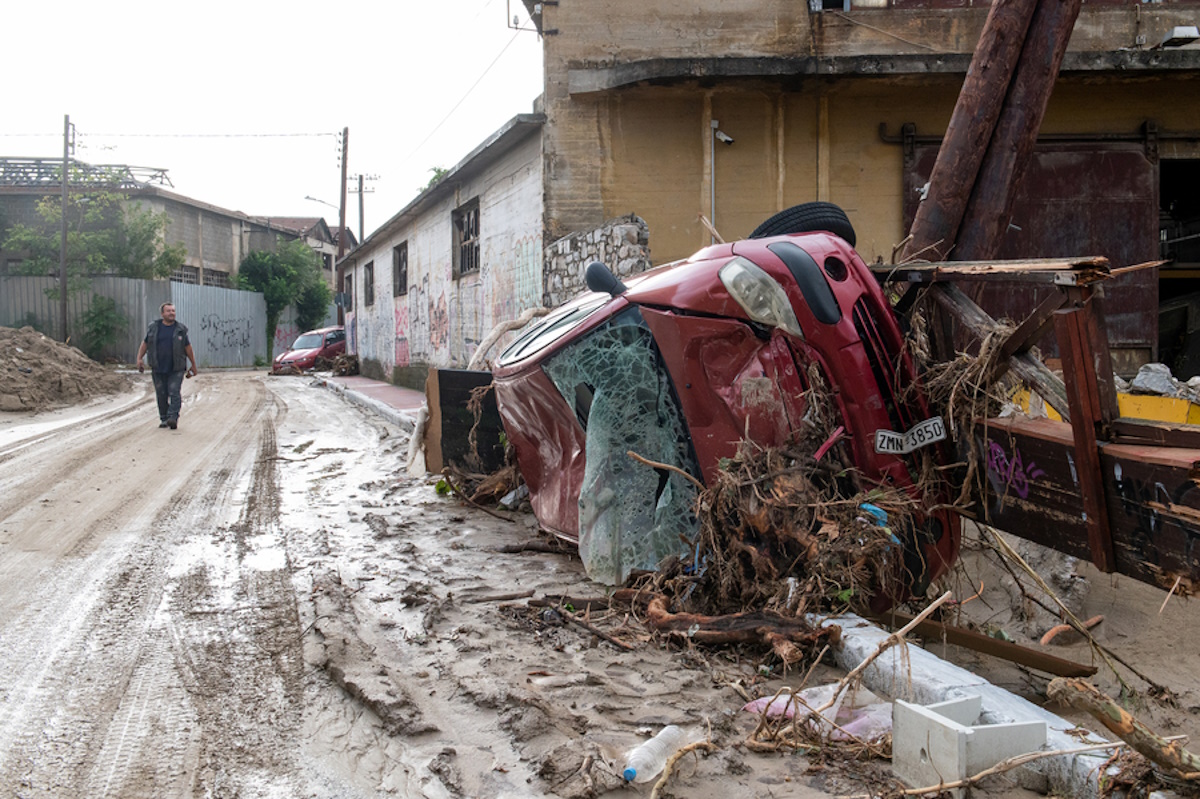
{"points": [[328, 343], [685, 361]]}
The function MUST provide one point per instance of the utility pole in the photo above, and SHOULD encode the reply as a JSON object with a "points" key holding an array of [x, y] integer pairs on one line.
{"points": [[361, 192], [342, 206], [62, 253]]}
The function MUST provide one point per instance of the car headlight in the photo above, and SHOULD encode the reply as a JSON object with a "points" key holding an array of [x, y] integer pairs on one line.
{"points": [[760, 295]]}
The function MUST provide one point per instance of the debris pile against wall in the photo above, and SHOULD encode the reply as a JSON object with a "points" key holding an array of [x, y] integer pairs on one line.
{"points": [[37, 372], [623, 245]]}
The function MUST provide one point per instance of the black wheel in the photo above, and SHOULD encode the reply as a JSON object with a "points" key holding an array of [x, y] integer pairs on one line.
{"points": [[807, 218]]}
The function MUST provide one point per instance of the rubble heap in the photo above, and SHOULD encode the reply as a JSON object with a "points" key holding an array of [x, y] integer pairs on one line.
{"points": [[37, 372]]}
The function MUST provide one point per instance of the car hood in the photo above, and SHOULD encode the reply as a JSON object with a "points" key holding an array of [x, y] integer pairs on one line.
{"points": [[297, 355]]}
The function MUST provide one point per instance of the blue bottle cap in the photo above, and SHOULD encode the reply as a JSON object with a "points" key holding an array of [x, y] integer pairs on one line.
{"points": [[629, 774]]}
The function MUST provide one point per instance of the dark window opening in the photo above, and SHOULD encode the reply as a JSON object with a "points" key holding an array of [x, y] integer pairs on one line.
{"points": [[466, 238], [400, 269], [369, 284], [348, 291]]}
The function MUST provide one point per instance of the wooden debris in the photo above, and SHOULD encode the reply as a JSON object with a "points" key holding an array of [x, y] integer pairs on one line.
{"points": [[1082, 695]]}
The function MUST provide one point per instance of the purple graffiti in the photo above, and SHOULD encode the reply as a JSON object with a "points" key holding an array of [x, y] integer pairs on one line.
{"points": [[1010, 472]]}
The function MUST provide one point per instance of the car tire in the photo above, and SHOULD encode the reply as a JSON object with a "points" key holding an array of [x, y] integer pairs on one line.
{"points": [[808, 218]]}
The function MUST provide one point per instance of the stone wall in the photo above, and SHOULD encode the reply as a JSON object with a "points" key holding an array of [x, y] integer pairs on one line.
{"points": [[623, 245]]}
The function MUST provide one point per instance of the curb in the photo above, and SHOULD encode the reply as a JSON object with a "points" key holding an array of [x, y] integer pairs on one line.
{"points": [[924, 678], [404, 421]]}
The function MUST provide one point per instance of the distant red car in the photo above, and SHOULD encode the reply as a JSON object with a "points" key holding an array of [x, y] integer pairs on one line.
{"points": [[692, 357], [328, 342]]}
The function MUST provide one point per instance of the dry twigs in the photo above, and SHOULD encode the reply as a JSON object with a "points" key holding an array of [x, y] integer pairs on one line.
{"points": [[698, 746]]}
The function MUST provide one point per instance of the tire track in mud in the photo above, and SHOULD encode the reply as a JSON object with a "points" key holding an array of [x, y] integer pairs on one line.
{"points": [[93, 706]]}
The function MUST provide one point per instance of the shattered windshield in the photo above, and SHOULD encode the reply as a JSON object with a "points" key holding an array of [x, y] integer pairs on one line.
{"points": [[631, 516]]}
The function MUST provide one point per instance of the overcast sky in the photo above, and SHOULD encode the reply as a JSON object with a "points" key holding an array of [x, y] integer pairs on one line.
{"points": [[243, 102]]}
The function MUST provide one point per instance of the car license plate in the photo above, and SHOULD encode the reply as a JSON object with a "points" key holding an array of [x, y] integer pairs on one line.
{"points": [[922, 434]]}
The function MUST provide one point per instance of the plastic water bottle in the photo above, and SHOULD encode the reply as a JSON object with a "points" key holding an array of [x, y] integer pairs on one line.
{"points": [[645, 761]]}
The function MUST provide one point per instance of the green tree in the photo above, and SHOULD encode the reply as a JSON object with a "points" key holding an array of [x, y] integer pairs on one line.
{"points": [[285, 277], [106, 235], [438, 174]]}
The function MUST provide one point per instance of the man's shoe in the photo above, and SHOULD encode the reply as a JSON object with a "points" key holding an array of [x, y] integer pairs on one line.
{"points": [[163, 423], [172, 423]]}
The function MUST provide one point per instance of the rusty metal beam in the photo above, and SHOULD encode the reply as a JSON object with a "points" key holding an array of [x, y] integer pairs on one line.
{"points": [[1152, 494], [1035, 325], [971, 125], [1035, 271], [1145, 432], [987, 214], [1083, 396], [1006, 650]]}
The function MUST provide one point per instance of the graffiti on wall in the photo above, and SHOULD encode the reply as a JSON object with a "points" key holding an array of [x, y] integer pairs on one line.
{"points": [[403, 358], [1008, 472], [225, 334], [1141, 500], [519, 288]]}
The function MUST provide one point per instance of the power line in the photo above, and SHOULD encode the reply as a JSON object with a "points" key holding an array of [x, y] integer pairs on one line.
{"points": [[462, 99], [177, 135]]}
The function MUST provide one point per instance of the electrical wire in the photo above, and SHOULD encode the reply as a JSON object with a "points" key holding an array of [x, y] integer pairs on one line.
{"points": [[462, 99]]}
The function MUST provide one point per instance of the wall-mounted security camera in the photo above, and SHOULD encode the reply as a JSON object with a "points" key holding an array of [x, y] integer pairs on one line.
{"points": [[722, 136]]}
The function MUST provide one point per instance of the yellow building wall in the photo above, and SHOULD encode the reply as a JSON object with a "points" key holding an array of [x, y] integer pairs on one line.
{"points": [[821, 142]]}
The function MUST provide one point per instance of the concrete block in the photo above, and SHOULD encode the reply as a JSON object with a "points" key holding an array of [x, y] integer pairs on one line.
{"points": [[940, 743]]}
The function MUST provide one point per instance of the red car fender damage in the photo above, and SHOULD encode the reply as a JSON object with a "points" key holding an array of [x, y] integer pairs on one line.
{"points": [[734, 378]]}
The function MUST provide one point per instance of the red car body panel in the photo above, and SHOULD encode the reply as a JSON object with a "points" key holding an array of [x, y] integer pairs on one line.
{"points": [[736, 379], [333, 344]]}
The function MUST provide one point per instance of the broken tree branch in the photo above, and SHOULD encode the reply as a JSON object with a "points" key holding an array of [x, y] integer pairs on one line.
{"points": [[893, 639], [675, 758], [1082, 695], [667, 466], [571, 617], [499, 330]]}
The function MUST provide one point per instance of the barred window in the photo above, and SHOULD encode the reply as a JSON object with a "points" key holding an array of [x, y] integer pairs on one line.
{"points": [[187, 274], [466, 238], [219, 279], [369, 284], [400, 269]]}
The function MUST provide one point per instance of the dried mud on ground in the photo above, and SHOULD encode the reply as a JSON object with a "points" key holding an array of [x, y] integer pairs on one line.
{"points": [[37, 372], [287, 613]]}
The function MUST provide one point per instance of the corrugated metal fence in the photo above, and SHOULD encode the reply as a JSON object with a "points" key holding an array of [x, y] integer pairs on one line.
{"points": [[227, 327]]}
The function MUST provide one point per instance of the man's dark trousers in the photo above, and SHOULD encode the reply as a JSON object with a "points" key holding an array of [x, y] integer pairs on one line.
{"points": [[166, 389]]}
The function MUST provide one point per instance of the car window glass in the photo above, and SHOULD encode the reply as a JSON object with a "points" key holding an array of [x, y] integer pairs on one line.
{"points": [[631, 516], [551, 329], [309, 341]]}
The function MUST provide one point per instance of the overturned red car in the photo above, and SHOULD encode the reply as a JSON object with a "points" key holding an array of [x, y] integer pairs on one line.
{"points": [[690, 358]]}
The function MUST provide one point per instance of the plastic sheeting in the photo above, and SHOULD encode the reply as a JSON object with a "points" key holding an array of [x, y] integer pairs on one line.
{"points": [[631, 516]]}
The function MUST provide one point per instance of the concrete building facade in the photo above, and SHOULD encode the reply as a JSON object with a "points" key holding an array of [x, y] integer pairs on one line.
{"points": [[428, 285]]}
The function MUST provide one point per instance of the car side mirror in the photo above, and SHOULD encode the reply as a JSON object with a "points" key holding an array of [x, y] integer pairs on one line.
{"points": [[600, 279]]}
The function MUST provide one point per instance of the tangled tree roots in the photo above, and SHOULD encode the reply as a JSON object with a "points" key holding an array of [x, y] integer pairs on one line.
{"points": [[784, 532]]}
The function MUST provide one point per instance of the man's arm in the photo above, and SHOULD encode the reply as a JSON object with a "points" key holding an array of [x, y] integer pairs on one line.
{"points": [[195, 370], [141, 354]]}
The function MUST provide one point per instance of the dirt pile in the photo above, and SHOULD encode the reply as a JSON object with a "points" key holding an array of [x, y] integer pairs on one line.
{"points": [[37, 372]]}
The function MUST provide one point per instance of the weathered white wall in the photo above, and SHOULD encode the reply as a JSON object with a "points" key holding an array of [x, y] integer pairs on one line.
{"points": [[441, 320]]}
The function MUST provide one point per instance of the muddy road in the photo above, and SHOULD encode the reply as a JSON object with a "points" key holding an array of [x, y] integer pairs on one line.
{"points": [[263, 604]]}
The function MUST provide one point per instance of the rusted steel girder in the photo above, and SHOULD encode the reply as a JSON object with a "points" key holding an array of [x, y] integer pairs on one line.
{"points": [[986, 218], [1151, 496], [975, 115], [1092, 412]]}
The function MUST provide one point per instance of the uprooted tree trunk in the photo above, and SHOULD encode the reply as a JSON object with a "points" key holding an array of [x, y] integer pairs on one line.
{"points": [[1082, 695]]}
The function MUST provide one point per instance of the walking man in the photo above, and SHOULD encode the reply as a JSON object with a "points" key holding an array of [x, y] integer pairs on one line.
{"points": [[168, 350]]}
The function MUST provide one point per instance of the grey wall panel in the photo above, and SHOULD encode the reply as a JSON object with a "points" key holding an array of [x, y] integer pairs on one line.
{"points": [[227, 327]]}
